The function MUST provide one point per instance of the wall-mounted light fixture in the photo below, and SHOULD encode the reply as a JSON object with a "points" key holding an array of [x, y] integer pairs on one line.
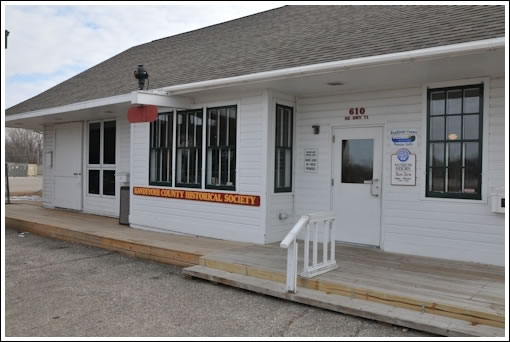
{"points": [[316, 129]]}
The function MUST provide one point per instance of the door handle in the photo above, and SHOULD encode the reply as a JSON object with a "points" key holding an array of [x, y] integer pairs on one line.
{"points": [[375, 188]]}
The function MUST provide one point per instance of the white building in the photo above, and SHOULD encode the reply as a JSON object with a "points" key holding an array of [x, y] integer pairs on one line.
{"points": [[392, 117]]}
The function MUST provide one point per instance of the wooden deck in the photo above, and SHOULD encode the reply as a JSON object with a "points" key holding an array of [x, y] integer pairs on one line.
{"points": [[106, 232], [439, 296], [459, 290]]}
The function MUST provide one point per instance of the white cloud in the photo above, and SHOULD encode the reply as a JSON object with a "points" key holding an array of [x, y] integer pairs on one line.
{"points": [[48, 44]]}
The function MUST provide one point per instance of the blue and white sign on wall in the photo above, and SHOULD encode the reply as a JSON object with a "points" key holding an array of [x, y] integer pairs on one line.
{"points": [[404, 137], [403, 168]]}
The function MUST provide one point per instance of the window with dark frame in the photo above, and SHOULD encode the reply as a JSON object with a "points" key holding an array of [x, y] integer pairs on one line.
{"points": [[221, 148], [160, 157], [283, 149], [188, 172], [101, 158], [454, 142]]}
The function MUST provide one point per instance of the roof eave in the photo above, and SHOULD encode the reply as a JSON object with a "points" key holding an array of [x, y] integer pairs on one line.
{"points": [[321, 68]]}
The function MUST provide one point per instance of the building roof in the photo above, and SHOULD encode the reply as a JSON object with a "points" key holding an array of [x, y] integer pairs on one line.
{"points": [[285, 37]]}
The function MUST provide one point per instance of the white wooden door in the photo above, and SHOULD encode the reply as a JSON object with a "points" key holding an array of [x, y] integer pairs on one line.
{"points": [[68, 166], [357, 158]]}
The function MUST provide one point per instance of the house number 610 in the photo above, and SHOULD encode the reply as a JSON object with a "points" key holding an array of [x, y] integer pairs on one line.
{"points": [[357, 111]]}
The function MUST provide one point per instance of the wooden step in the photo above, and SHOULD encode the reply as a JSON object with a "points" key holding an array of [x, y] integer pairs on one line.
{"points": [[423, 321]]}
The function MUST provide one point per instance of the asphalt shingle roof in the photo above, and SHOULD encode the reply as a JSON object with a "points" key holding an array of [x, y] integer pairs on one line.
{"points": [[285, 37]]}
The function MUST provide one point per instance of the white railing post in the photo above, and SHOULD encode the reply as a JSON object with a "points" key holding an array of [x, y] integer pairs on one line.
{"points": [[332, 239], [326, 219], [307, 247], [315, 238], [325, 238]]}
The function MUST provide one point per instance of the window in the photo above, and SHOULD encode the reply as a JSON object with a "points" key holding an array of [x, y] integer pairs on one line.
{"points": [[454, 142], [160, 158], [357, 160], [101, 158], [189, 149], [221, 148], [283, 149]]}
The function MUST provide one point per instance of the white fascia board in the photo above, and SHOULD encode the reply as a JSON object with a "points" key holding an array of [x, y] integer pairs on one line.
{"points": [[160, 99], [315, 69], [105, 101]]}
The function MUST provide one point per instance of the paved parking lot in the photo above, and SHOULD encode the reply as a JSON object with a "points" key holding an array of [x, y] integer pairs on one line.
{"points": [[54, 288]]}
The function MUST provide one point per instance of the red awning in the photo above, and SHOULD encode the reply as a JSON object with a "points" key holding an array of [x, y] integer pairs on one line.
{"points": [[142, 113]]}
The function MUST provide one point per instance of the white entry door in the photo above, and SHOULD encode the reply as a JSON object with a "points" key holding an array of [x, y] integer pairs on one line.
{"points": [[68, 166], [357, 157]]}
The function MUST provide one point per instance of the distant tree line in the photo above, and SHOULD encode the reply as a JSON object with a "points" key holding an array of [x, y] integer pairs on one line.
{"points": [[23, 146]]}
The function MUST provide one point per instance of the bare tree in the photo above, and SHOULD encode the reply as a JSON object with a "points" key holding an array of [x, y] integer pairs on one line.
{"points": [[23, 146]]}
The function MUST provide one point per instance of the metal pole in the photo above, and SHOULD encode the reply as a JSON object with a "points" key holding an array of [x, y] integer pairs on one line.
{"points": [[7, 183]]}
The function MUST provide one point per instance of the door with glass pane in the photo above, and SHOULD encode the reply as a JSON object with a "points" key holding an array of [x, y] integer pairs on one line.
{"points": [[357, 158], [101, 159]]}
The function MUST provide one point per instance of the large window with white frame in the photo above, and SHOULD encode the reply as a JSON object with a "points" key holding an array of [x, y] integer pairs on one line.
{"points": [[454, 142], [101, 158], [188, 160], [221, 148]]}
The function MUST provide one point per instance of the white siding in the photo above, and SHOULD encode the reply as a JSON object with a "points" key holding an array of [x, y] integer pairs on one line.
{"points": [[48, 179], [231, 222], [444, 228]]}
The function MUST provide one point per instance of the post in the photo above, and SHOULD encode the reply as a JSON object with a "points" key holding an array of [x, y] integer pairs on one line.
{"points": [[325, 239], [333, 237], [315, 249], [7, 183], [307, 248], [292, 267]]}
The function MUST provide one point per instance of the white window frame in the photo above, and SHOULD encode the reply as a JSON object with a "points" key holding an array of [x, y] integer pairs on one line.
{"points": [[204, 107], [101, 167]]}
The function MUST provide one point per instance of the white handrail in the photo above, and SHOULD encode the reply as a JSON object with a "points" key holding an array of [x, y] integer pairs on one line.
{"points": [[292, 235], [315, 221]]}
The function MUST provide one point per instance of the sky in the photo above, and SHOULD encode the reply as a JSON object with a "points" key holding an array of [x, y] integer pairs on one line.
{"points": [[49, 44]]}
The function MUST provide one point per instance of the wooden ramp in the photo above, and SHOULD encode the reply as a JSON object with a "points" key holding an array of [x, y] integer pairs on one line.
{"points": [[470, 297]]}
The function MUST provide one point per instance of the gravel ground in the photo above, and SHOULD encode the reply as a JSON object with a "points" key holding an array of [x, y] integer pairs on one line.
{"points": [[55, 288]]}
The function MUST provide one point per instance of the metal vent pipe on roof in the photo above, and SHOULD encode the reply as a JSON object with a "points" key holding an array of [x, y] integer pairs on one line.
{"points": [[141, 75]]}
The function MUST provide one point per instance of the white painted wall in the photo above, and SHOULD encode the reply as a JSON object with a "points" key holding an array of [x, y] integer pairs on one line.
{"points": [[231, 222], [48, 188], [411, 223]]}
